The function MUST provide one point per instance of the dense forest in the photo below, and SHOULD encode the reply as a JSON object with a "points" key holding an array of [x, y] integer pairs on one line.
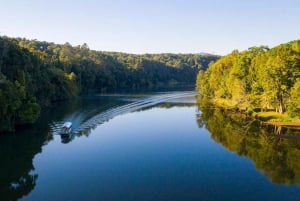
{"points": [[33, 74], [258, 78]]}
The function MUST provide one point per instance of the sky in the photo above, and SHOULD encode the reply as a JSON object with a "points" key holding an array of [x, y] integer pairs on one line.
{"points": [[154, 26]]}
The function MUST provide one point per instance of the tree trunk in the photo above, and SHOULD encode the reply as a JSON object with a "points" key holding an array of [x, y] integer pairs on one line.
{"points": [[281, 108]]}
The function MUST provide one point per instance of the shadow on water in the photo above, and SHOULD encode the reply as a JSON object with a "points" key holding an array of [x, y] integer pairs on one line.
{"points": [[277, 155], [17, 173], [17, 150]]}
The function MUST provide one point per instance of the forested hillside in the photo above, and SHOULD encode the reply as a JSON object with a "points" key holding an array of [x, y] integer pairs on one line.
{"points": [[33, 74], [256, 78]]}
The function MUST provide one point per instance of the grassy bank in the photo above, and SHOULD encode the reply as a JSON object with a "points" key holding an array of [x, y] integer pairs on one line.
{"points": [[270, 117], [278, 119]]}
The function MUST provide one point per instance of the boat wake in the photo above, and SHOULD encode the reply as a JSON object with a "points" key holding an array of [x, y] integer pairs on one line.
{"points": [[91, 123]]}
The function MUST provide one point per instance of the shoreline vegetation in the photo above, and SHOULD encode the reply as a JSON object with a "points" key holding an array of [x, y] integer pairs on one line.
{"points": [[269, 117], [273, 118], [34, 74], [262, 82]]}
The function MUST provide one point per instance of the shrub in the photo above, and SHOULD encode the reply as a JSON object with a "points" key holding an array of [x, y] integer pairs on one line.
{"points": [[292, 110]]}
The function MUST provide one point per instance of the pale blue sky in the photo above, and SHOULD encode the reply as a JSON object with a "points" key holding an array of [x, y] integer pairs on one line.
{"points": [[154, 26]]}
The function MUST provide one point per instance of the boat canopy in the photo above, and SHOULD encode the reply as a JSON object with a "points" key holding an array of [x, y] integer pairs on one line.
{"points": [[67, 124]]}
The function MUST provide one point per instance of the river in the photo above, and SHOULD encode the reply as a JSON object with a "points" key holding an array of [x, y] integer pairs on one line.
{"points": [[150, 146]]}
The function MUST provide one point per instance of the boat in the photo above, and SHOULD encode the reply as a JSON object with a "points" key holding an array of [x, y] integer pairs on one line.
{"points": [[66, 128]]}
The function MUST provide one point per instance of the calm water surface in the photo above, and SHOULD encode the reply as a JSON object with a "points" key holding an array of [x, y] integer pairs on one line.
{"points": [[161, 151]]}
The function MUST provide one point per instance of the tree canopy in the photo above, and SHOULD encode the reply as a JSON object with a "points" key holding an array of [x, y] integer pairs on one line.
{"points": [[258, 78]]}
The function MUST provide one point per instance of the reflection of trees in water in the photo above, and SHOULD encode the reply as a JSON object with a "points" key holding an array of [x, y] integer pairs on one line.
{"points": [[277, 157], [17, 171], [17, 151], [19, 188]]}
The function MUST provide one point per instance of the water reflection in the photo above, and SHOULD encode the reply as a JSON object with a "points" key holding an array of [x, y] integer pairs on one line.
{"points": [[66, 138], [276, 154], [83, 123], [17, 151], [17, 173], [156, 154]]}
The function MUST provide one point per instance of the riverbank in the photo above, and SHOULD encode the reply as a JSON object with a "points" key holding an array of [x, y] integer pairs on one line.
{"points": [[269, 117], [274, 118]]}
